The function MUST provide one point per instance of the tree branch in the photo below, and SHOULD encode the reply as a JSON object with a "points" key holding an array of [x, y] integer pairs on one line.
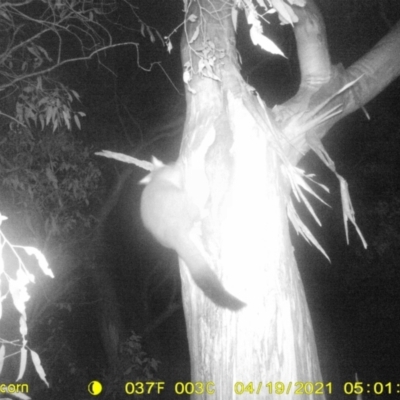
{"points": [[321, 82]]}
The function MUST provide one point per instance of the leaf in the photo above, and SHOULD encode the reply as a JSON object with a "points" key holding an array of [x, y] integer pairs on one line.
{"points": [[192, 18], [77, 122], [152, 38], [187, 76], [42, 122], [19, 294], [29, 114], [160, 37], [22, 363], [43, 100], [49, 111], [5, 15], [44, 51], [38, 366], [286, 13], [2, 354], [67, 119], [33, 50], [51, 177], [256, 32], [41, 259], [19, 395], [55, 125], [76, 94], [195, 34], [169, 45], [266, 44]]}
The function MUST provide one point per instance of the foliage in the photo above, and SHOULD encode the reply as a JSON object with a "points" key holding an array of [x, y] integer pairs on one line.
{"points": [[14, 279], [32, 44], [47, 178], [134, 366], [37, 37], [140, 364], [50, 176], [50, 106], [206, 51], [56, 343]]}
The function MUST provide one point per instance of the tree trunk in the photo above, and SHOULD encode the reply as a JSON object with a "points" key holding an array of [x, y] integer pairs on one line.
{"points": [[233, 172], [238, 157]]}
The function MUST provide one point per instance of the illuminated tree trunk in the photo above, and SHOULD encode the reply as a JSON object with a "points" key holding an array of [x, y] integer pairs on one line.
{"points": [[235, 159], [233, 171]]}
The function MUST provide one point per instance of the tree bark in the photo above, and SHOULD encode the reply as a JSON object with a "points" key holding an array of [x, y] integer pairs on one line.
{"points": [[235, 153], [232, 158], [320, 80]]}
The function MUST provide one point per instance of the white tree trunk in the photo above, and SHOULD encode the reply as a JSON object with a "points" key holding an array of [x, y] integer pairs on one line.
{"points": [[233, 172]]}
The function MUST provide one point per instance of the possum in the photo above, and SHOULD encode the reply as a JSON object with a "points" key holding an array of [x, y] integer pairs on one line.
{"points": [[169, 215]]}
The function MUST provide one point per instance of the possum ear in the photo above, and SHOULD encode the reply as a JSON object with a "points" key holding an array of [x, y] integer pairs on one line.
{"points": [[145, 180], [157, 163]]}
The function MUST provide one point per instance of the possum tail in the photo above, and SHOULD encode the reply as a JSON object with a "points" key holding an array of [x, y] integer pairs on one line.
{"points": [[205, 277]]}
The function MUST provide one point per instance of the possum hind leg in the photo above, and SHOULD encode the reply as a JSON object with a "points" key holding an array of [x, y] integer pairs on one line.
{"points": [[170, 215], [204, 277]]}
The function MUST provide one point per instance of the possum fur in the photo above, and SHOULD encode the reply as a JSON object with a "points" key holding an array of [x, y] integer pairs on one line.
{"points": [[169, 215]]}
